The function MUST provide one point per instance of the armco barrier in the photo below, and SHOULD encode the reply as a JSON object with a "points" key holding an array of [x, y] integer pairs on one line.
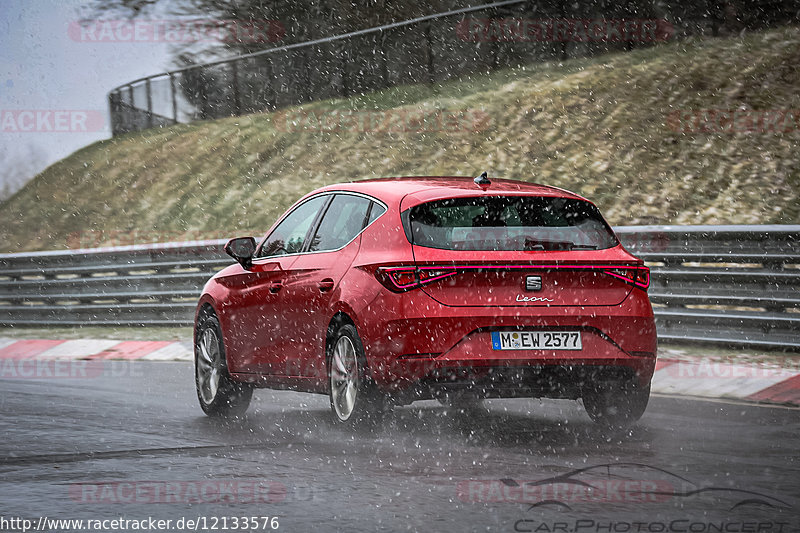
{"points": [[723, 284], [152, 285], [736, 285]]}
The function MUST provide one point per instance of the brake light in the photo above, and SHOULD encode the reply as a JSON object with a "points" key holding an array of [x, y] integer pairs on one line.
{"points": [[402, 279], [637, 276]]}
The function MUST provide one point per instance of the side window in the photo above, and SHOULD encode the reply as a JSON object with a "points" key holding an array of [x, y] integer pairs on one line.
{"points": [[377, 210], [344, 219], [289, 236]]}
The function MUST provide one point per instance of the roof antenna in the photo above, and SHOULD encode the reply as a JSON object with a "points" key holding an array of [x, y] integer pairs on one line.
{"points": [[483, 181]]}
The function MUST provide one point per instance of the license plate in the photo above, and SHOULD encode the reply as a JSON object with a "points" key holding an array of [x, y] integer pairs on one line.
{"points": [[536, 340]]}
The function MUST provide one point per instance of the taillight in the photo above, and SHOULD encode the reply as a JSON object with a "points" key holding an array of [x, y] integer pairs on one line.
{"points": [[402, 279], [637, 276]]}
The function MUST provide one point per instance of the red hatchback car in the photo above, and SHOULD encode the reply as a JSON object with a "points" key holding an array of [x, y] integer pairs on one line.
{"points": [[383, 292]]}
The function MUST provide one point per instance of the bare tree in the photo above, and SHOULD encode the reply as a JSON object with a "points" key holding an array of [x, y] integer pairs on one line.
{"points": [[301, 20]]}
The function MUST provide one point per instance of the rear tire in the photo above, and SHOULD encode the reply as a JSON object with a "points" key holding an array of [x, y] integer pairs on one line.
{"points": [[616, 405], [218, 393], [354, 397]]}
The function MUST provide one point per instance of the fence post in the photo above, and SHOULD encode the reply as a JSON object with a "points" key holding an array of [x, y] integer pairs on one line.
{"points": [[237, 104], [384, 70], [174, 98], [344, 71], [430, 53], [149, 104], [306, 77], [113, 107], [203, 95], [272, 103]]}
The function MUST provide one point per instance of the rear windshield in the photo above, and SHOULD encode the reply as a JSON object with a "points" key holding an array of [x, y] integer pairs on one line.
{"points": [[527, 223]]}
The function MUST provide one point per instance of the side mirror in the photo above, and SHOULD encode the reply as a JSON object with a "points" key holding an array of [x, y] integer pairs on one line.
{"points": [[242, 249]]}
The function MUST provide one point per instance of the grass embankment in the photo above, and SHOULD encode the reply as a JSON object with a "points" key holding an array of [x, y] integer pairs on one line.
{"points": [[597, 126]]}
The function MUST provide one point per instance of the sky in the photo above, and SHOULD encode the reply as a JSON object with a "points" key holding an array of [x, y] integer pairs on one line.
{"points": [[46, 69]]}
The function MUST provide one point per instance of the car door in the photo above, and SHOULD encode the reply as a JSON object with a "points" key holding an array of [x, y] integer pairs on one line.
{"points": [[313, 281], [257, 329]]}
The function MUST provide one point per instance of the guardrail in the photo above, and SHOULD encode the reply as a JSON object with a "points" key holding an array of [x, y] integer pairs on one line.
{"points": [[732, 285], [723, 284], [143, 285]]}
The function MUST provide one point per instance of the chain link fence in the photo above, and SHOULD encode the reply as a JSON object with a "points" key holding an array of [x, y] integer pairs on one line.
{"points": [[427, 49]]}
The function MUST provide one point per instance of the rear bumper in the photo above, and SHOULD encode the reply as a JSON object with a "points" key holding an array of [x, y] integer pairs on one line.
{"points": [[557, 381], [411, 341]]}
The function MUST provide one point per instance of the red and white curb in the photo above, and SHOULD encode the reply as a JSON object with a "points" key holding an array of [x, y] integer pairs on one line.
{"points": [[700, 378], [710, 379], [94, 349]]}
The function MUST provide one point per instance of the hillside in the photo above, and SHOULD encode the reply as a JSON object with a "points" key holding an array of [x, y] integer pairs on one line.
{"points": [[605, 127]]}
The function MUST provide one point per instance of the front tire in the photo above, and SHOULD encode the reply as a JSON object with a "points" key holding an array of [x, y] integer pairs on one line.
{"points": [[616, 405], [218, 393], [354, 397]]}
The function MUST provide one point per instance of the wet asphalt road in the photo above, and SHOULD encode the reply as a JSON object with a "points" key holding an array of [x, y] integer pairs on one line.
{"points": [[128, 440]]}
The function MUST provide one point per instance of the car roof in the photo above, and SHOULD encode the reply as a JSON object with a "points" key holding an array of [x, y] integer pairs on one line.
{"points": [[426, 188]]}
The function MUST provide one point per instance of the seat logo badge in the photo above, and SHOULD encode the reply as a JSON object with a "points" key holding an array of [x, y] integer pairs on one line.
{"points": [[521, 298], [533, 283]]}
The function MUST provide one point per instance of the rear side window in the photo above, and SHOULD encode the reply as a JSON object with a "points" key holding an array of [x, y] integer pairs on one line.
{"points": [[343, 220], [508, 223]]}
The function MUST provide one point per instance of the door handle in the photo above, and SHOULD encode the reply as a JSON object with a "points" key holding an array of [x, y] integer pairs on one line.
{"points": [[275, 286], [325, 285]]}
